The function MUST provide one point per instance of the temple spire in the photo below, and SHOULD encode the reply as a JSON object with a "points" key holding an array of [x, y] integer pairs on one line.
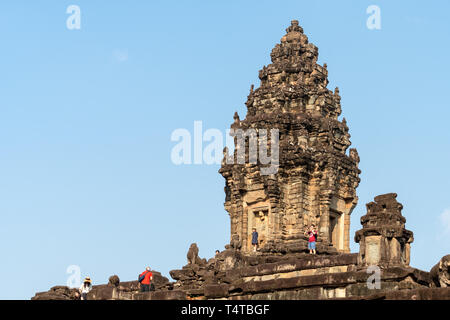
{"points": [[315, 180]]}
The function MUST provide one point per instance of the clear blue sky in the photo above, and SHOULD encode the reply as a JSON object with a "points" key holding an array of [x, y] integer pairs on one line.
{"points": [[86, 117]]}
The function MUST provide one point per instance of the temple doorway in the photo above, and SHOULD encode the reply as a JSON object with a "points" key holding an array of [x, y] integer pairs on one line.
{"points": [[258, 217], [335, 229]]}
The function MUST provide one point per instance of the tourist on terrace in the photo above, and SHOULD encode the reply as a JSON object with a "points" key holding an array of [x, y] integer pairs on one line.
{"points": [[145, 279], [85, 288], [254, 240], [312, 235]]}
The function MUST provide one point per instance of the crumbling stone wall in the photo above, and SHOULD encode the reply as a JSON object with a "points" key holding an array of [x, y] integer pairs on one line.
{"points": [[440, 273], [58, 293]]}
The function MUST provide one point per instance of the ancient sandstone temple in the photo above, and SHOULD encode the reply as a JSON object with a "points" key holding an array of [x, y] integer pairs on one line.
{"points": [[316, 179], [314, 182]]}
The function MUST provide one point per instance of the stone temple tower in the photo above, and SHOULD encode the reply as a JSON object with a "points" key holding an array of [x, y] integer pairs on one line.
{"points": [[383, 240], [315, 179]]}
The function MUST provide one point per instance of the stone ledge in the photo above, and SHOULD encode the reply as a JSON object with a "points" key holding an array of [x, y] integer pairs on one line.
{"points": [[216, 291], [303, 272], [419, 294], [411, 294], [161, 295], [322, 280], [312, 262]]}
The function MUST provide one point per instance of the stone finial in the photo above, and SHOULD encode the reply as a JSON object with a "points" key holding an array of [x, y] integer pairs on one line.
{"points": [[192, 255], [353, 153], [294, 27], [114, 281], [251, 88], [383, 240], [236, 117], [226, 156], [293, 33]]}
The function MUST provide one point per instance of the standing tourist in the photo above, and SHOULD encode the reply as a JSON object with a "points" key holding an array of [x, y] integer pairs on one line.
{"points": [[85, 288], [145, 279], [312, 234], [254, 240]]}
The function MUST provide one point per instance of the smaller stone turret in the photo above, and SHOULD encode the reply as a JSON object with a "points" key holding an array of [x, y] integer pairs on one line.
{"points": [[383, 240]]}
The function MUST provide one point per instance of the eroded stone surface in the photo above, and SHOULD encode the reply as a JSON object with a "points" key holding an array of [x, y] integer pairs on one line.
{"points": [[57, 293], [440, 272]]}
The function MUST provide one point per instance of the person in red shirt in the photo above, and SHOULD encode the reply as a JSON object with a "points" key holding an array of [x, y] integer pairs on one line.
{"points": [[147, 278], [312, 235]]}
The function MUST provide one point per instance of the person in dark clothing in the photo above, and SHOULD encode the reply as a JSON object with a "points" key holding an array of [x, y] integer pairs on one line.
{"points": [[254, 240]]}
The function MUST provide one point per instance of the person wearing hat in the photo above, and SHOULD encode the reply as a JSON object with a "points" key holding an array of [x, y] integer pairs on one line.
{"points": [[145, 279], [85, 288]]}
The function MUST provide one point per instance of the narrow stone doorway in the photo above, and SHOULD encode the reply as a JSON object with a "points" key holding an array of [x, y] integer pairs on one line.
{"points": [[258, 219], [335, 229]]}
